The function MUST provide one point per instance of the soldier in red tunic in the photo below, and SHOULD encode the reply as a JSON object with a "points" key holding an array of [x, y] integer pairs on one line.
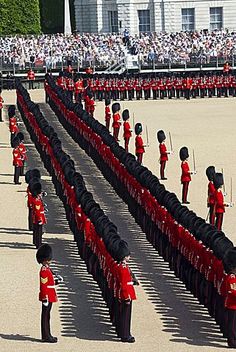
{"points": [[47, 294], [30, 176], [210, 172], [13, 127], [1, 105], [230, 296], [186, 173], [61, 82], [31, 78], [38, 214], [22, 149], [116, 120], [127, 130], [79, 89], [17, 160], [107, 113], [163, 153], [139, 145], [126, 293], [220, 204]]}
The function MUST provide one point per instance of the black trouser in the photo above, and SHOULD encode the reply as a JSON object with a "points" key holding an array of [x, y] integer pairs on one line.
{"points": [[231, 327], [211, 214], [219, 220], [162, 169], [37, 235], [154, 94], [22, 168], [124, 319], [12, 137], [45, 322], [30, 220], [185, 191], [130, 95], [17, 174], [187, 93], [31, 84]]}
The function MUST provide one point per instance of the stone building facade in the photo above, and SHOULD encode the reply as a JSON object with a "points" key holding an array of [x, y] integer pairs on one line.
{"points": [[106, 16]]}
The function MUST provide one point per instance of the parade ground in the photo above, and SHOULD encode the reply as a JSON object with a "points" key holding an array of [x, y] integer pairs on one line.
{"points": [[165, 316]]}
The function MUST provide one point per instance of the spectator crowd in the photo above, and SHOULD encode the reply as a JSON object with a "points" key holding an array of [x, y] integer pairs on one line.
{"points": [[103, 50]]}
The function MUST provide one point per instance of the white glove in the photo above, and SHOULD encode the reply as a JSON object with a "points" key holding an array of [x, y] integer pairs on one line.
{"points": [[58, 279], [45, 302]]}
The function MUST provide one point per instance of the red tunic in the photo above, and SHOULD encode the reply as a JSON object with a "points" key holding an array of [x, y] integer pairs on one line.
{"points": [[47, 285], [219, 202], [13, 125], [1, 102], [211, 193], [17, 160], [127, 132], [38, 211], [163, 152], [116, 120], [230, 285], [185, 177], [126, 283], [22, 150], [31, 75], [139, 147], [107, 113]]}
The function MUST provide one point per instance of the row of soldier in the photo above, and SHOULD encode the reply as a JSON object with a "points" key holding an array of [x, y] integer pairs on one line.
{"points": [[36, 217], [86, 219], [200, 255], [218, 203], [149, 87]]}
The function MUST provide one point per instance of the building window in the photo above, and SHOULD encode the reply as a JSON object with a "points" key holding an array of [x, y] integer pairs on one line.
{"points": [[144, 20], [113, 21], [188, 19], [216, 18]]}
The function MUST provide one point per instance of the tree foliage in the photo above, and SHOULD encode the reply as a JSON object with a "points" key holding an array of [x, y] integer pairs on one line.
{"points": [[19, 17], [52, 15]]}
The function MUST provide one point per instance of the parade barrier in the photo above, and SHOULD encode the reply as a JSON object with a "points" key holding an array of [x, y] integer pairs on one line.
{"points": [[194, 249], [99, 243]]}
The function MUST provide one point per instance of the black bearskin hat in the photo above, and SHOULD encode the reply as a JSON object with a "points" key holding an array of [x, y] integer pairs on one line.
{"points": [[36, 173], [229, 260], [183, 153], [15, 142], [123, 251], [218, 180], [125, 114], [36, 189], [161, 136], [210, 172], [115, 107], [11, 111], [44, 253], [138, 128], [107, 102], [20, 136], [28, 176]]}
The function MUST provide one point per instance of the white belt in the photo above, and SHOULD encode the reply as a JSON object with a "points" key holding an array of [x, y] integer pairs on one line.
{"points": [[130, 283], [51, 286]]}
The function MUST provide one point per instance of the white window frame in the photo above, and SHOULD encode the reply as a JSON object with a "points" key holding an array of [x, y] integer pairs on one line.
{"points": [[145, 26], [188, 19], [216, 18], [113, 21]]}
